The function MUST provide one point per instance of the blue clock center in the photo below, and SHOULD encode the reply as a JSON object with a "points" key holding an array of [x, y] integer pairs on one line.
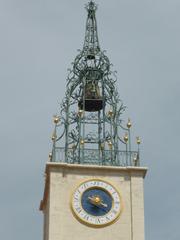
{"points": [[96, 201]]}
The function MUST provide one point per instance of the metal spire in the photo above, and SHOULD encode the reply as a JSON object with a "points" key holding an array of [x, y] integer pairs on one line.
{"points": [[91, 42]]}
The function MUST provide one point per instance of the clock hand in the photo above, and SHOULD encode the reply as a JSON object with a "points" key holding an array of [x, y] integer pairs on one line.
{"points": [[103, 204], [91, 200], [97, 201]]}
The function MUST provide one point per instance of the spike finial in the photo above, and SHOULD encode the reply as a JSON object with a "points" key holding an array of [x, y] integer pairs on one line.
{"points": [[91, 6]]}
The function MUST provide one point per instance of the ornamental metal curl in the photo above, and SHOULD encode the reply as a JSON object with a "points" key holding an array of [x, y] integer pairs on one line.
{"points": [[90, 113]]}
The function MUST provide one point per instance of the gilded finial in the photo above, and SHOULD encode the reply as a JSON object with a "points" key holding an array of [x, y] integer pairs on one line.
{"points": [[110, 144], [56, 119], [138, 140], [82, 142], [50, 155], [80, 113], [135, 160], [54, 136], [110, 113], [126, 138], [129, 124]]}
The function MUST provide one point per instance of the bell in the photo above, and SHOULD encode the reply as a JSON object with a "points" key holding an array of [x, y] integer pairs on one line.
{"points": [[92, 99], [90, 56]]}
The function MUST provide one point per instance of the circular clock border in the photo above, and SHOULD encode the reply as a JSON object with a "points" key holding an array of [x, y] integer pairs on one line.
{"points": [[81, 220]]}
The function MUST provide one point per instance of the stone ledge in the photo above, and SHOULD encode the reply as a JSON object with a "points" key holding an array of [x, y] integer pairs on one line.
{"points": [[98, 167], [50, 165]]}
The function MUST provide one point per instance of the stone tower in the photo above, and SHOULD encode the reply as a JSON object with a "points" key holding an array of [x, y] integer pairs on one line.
{"points": [[94, 181]]}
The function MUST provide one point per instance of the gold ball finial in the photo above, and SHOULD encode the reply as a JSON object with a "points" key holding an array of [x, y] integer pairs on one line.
{"points": [[110, 144], [56, 119], [129, 124], [126, 138], [138, 140], [80, 113], [135, 161], [82, 142], [53, 137], [110, 113]]}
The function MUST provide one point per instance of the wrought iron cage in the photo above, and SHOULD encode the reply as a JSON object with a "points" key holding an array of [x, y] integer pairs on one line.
{"points": [[89, 124]]}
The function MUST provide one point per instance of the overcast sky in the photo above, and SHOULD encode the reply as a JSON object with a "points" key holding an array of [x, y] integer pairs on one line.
{"points": [[38, 41]]}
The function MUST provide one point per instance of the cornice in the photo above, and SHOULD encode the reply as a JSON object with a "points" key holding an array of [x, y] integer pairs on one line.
{"points": [[51, 166]]}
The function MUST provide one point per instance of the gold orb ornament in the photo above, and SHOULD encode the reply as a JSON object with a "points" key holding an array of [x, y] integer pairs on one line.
{"points": [[129, 124], [110, 144], [126, 138], [138, 140], [135, 160], [53, 137], [80, 113], [110, 113], [56, 119], [82, 142]]}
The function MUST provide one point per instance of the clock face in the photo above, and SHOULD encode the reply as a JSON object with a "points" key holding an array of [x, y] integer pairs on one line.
{"points": [[96, 203]]}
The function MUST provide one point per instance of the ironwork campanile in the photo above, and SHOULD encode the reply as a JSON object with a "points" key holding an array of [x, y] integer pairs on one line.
{"points": [[89, 124]]}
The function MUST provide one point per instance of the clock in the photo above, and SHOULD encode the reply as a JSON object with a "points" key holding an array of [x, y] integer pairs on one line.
{"points": [[96, 202]]}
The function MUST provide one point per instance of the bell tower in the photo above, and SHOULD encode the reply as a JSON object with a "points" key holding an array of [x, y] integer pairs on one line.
{"points": [[94, 180]]}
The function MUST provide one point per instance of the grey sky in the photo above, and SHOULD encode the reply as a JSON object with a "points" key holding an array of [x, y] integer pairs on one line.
{"points": [[38, 42]]}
